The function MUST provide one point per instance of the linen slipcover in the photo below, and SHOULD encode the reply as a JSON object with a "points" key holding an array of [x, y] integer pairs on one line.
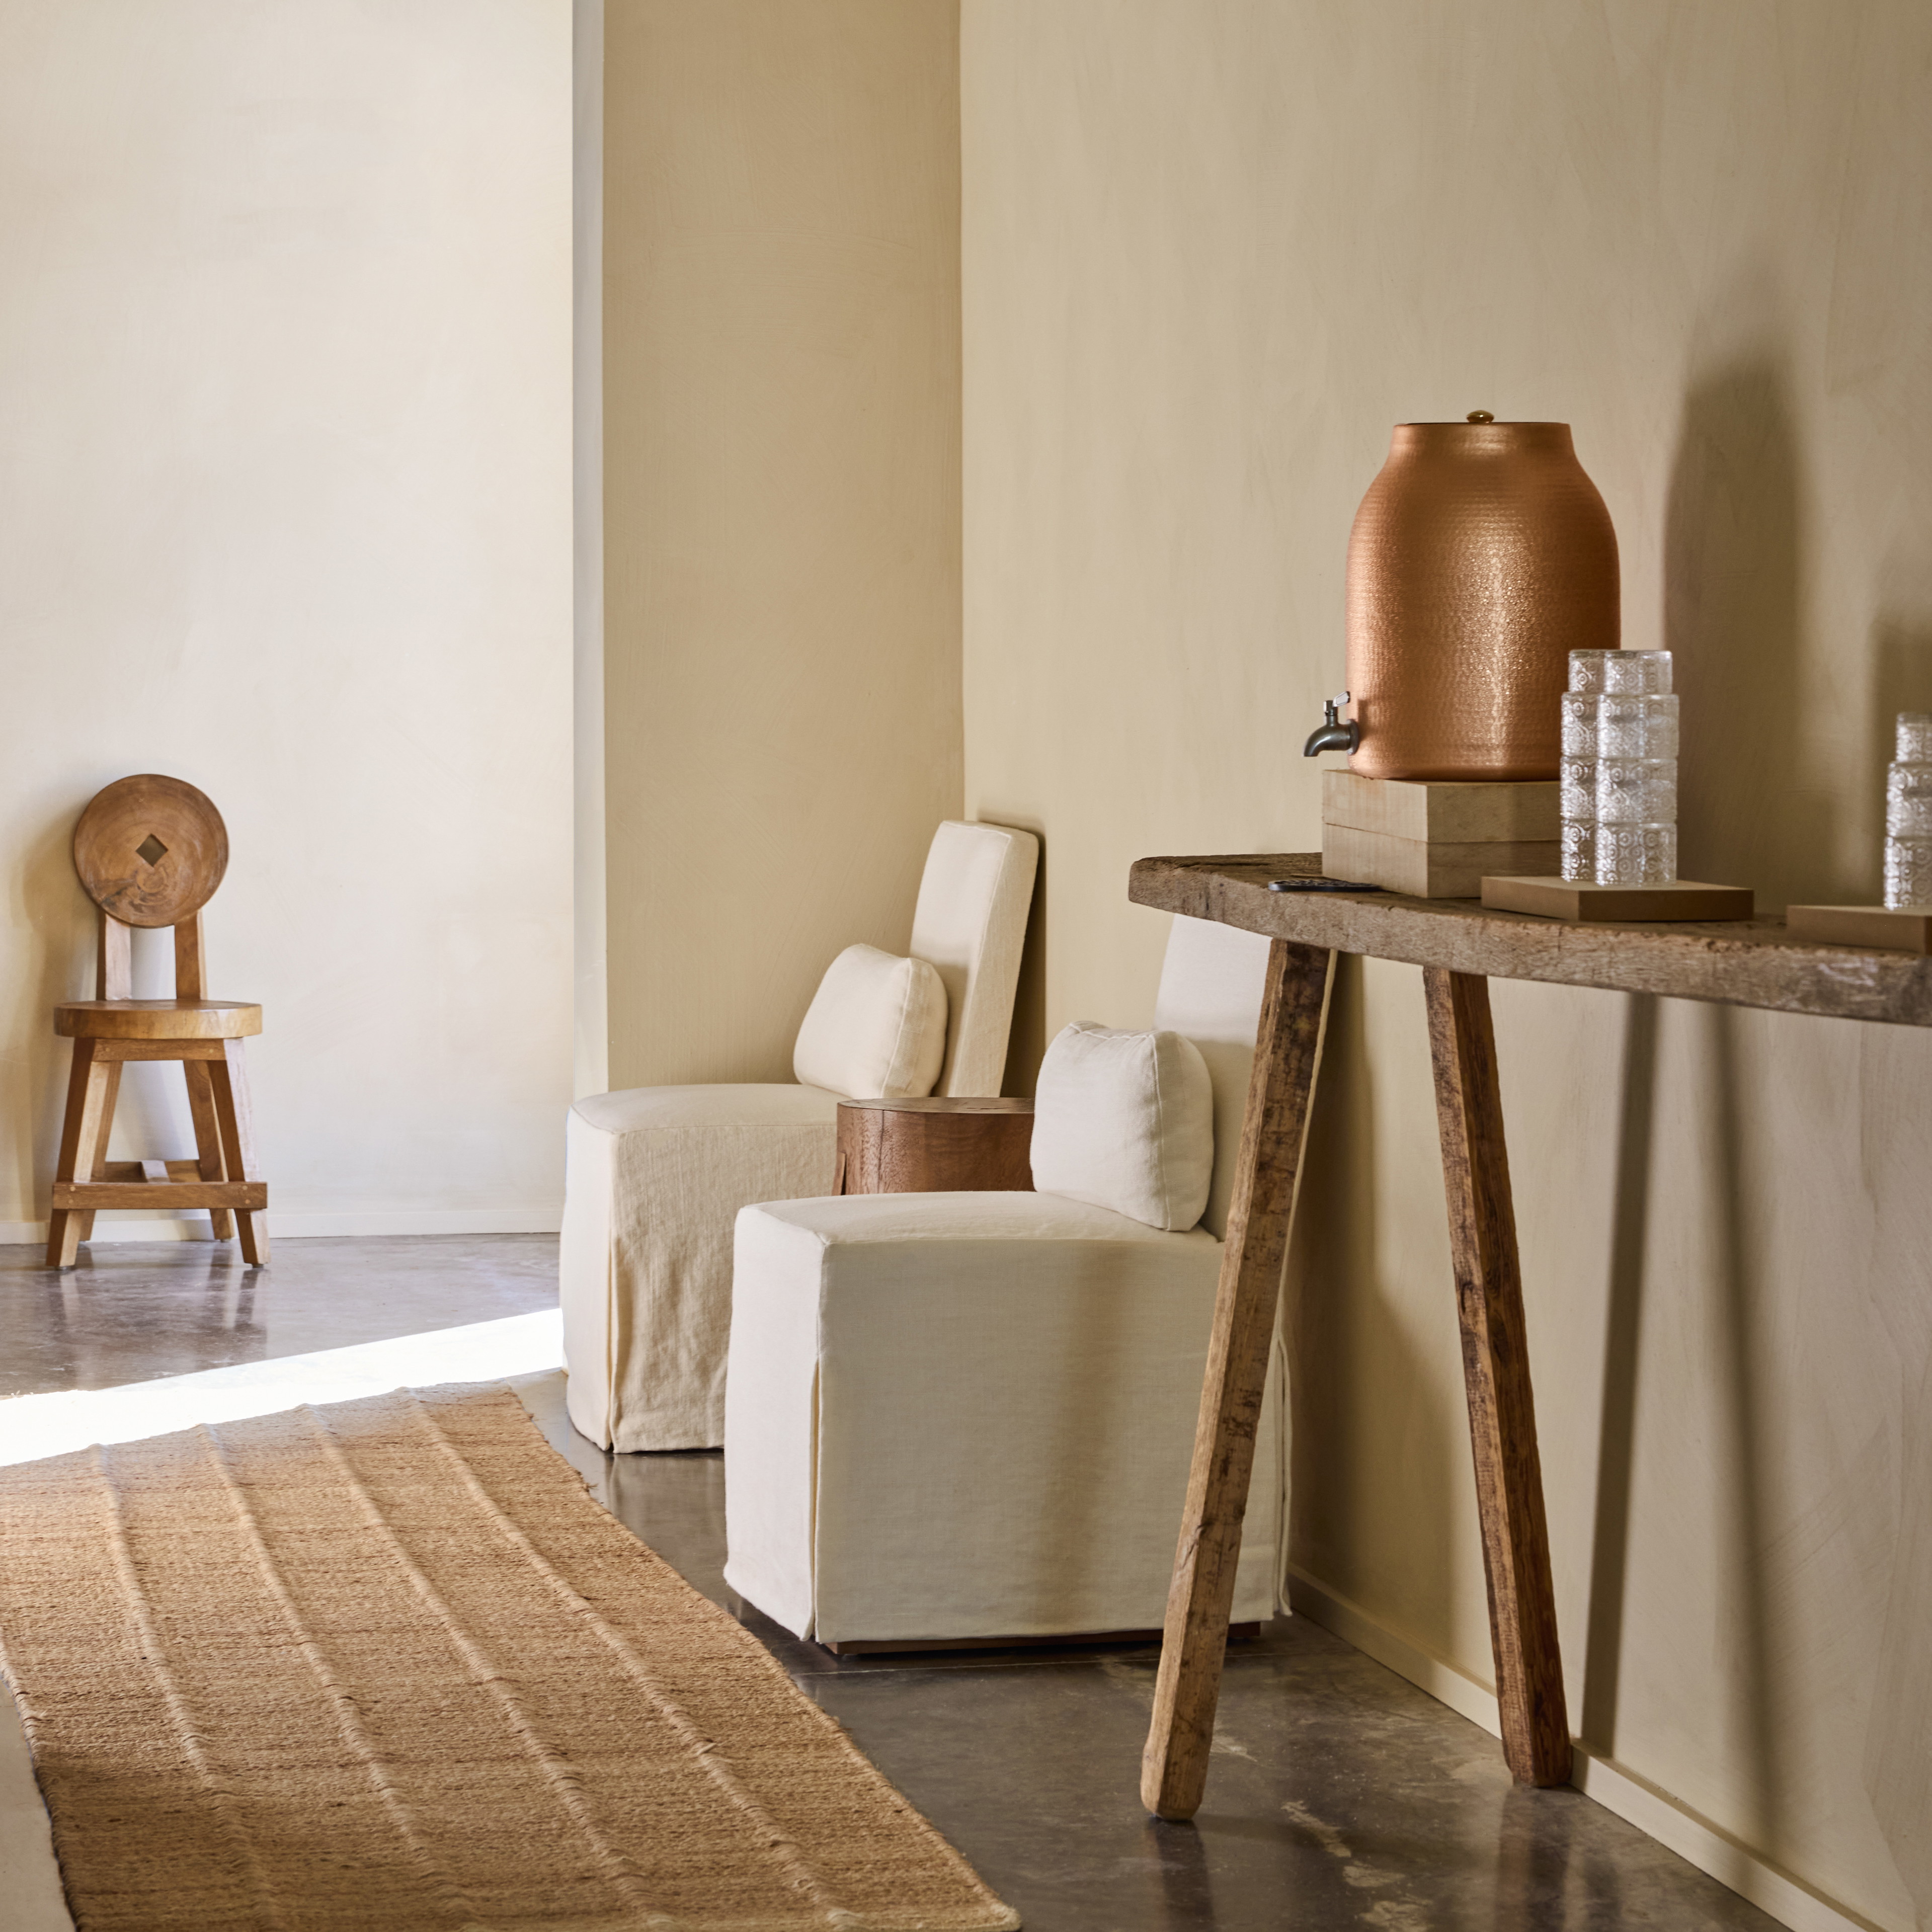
{"points": [[971, 1415], [654, 1175]]}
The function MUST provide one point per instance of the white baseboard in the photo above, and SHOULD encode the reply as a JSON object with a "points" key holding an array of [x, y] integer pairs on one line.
{"points": [[286, 1227], [1615, 1786]]}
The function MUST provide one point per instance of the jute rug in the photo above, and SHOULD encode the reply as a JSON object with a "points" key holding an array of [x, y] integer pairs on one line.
{"points": [[386, 1664]]}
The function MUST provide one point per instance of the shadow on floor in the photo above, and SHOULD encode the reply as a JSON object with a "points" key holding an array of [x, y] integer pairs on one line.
{"points": [[1340, 1795]]}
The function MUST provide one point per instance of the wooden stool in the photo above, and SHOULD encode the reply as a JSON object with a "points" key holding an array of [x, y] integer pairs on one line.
{"points": [[150, 852], [936, 1146]]}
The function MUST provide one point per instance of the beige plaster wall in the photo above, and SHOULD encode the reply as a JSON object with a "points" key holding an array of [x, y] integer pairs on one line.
{"points": [[781, 506], [1211, 254], [285, 511]]}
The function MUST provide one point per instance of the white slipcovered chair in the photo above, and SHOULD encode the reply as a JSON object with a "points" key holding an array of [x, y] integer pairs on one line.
{"points": [[960, 1417], [655, 1175]]}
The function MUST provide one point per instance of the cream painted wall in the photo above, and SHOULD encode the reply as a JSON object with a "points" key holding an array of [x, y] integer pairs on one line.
{"points": [[1211, 255], [781, 505], [591, 1059], [285, 511]]}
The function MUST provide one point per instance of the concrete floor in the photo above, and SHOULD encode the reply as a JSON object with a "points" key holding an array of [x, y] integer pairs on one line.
{"points": [[132, 1311], [1341, 1796]]}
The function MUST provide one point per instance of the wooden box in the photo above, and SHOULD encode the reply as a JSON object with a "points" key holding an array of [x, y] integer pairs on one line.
{"points": [[1577, 900], [1435, 840], [1901, 929]]}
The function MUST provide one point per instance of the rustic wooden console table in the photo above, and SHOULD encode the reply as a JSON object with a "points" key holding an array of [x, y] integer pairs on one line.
{"points": [[1460, 946]]}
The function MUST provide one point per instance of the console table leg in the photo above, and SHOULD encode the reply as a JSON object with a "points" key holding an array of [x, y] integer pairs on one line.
{"points": [[1496, 1370], [1174, 1768]]}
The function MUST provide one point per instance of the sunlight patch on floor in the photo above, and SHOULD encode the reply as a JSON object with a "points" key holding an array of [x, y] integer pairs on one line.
{"points": [[32, 1426]]}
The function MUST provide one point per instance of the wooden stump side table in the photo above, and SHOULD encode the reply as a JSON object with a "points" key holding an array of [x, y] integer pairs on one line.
{"points": [[935, 1146], [1460, 944]]}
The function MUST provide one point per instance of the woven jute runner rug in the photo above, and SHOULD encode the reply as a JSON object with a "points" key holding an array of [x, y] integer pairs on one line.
{"points": [[386, 1664]]}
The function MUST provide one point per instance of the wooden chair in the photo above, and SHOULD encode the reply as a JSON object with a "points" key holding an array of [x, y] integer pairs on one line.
{"points": [[151, 851]]}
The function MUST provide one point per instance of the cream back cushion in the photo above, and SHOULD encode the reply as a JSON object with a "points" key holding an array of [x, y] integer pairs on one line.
{"points": [[970, 922], [876, 1027], [1125, 1120], [1211, 990]]}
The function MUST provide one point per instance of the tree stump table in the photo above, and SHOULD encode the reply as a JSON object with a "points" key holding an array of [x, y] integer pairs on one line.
{"points": [[1460, 945], [938, 1146]]}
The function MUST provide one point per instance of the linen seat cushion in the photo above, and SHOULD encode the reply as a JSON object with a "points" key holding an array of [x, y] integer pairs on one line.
{"points": [[876, 1027], [1125, 1120], [655, 1176], [960, 1415]]}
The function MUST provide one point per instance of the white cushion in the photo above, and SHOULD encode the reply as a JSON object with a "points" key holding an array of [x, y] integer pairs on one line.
{"points": [[1125, 1120], [1211, 989], [876, 1027], [971, 923]]}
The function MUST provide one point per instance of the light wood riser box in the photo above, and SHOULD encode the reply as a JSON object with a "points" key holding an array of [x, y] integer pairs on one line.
{"points": [[1433, 840], [1895, 928]]}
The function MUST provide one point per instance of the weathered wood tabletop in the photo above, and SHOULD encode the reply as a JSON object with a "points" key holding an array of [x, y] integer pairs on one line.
{"points": [[1740, 962], [1460, 945]]}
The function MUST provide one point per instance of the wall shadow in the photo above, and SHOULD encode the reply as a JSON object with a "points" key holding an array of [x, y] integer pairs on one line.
{"points": [[1623, 1334], [1898, 1734], [1026, 1045], [1342, 1340], [1756, 807], [58, 923], [1745, 1562]]}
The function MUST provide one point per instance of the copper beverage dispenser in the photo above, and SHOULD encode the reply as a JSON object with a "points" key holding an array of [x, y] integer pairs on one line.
{"points": [[1481, 556]]}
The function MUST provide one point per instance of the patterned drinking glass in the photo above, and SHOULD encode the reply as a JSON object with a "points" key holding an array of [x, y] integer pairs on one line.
{"points": [[1637, 674], [1637, 726], [1579, 851], [1908, 802], [1908, 872], [1914, 732], [1637, 791], [1586, 671], [1636, 855], [1577, 790], [1579, 723], [1908, 813]]}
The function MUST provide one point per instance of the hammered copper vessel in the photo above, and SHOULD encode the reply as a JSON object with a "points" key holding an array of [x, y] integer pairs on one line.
{"points": [[1480, 558]]}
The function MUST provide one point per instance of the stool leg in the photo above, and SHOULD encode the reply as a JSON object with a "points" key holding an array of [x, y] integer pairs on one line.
{"points": [[207, 1141], [84, 1217], [229, 1078], [82, 1134]]}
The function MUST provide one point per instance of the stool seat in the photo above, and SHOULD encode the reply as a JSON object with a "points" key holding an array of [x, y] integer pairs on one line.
{"points": [[157, 1019]]}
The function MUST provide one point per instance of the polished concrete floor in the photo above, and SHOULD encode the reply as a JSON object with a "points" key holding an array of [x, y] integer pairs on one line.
{"points": [[1341, 1796], [131, 1311]]}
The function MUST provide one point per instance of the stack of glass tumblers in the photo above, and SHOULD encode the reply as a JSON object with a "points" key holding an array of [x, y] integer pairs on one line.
{"points": [[1908, 814], [1619, 798]]}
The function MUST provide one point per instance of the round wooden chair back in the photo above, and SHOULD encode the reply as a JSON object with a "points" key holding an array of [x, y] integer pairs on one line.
{"points": [[151, 851]]}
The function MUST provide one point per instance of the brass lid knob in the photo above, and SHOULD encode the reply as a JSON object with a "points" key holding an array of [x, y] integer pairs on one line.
{"points": [[1480, 416]]}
